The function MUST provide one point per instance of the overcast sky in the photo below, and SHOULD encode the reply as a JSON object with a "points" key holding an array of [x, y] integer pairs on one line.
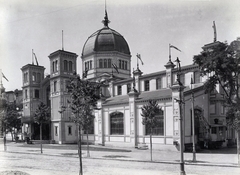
{"points": [[147, 25]]}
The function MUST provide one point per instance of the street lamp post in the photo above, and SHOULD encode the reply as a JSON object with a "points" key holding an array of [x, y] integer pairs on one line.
{"points": [[193, 124], [180, 101]]}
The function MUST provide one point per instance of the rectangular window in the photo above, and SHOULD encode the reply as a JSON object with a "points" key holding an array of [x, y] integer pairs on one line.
{"points": [[146, 85], [69, 130], [125, 67], [119, 88], [55, 86], [159, 83], [56, 130], [36, 93], [214, 130], [116, 124], [26, 93]]}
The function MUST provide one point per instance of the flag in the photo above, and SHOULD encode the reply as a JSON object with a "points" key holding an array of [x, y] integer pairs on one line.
{"points": [[35, 58], [4, 77], [115, 67], [139, 57], [171, 46]]}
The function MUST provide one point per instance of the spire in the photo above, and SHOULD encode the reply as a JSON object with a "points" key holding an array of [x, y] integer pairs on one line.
{"points": [[106, 21]]}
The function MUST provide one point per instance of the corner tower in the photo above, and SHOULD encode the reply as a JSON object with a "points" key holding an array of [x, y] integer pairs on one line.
{"points": [[104, 48], [62, 67], [32, 78]]}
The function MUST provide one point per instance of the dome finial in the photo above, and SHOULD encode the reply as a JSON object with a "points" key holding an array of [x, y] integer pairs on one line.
{"points": [[106, 21]]}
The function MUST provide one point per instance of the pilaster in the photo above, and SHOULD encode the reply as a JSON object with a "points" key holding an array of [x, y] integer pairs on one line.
{"points": [[133, 95], [101, 139]]}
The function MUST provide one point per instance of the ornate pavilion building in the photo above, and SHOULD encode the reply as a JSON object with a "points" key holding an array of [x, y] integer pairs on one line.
{"points": [[119, 120]]}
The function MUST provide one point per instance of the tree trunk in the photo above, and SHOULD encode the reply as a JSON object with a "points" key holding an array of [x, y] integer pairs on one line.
{"points": [[12, 135], [41, 137], [80, 150], [88, 153], [238, 146], [151, 144]]}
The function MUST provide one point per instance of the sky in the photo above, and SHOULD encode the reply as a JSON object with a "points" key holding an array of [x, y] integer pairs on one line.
{"points": [[148, 26]]}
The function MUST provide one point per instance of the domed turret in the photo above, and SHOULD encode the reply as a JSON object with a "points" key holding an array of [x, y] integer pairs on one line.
{"points": [[104, 48], [105, 39]]}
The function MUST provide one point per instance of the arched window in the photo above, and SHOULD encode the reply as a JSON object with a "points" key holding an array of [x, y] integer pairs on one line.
{"points": [[105, 63], [100, 63], [34, 76], [116, 123], [90, 64], [56, 65], [70, 66], [159, 129], [38, 77], [65, 65], [109, 63], [120, 64]]}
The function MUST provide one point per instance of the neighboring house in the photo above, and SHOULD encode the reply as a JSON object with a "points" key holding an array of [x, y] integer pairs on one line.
{"points": [[119, 120]]}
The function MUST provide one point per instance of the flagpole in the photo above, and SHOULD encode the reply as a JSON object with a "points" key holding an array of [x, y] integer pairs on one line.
{"points": [[32, 57], [137, 64], [169, 52], [62, 41]]}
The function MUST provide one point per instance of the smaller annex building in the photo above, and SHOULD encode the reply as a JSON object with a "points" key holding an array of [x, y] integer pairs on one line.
{"points": [[119, 120]]}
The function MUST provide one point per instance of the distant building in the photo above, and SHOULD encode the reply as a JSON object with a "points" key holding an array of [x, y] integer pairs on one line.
{"points": [[106, 57]]}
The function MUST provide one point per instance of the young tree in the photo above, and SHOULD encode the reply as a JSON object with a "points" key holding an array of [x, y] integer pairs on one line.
{"points": [[11, 119], [41, 116], [221, 64], [83, 99], [149, 118]]}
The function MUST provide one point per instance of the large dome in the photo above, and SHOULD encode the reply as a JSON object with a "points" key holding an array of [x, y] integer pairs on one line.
{"points": [[105, 39]]}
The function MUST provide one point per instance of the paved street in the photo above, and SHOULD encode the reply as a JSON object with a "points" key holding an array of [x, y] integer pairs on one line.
{"points": [[62, 159]]}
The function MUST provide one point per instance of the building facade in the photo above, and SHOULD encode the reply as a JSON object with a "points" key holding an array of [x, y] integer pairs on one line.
{"points": [[106, 58]]}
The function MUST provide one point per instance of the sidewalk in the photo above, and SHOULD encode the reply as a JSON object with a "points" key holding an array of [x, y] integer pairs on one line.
{"points": [[221, 157]]}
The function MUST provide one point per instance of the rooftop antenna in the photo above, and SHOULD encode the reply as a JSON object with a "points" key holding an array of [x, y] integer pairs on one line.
{"points": [[62, 41]]}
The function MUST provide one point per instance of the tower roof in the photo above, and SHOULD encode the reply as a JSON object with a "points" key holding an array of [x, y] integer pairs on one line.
{"points": [[105, 39]]}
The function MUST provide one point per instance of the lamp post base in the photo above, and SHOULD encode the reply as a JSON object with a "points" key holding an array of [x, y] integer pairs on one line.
{"points": [[194, 157], [182, 171]]}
